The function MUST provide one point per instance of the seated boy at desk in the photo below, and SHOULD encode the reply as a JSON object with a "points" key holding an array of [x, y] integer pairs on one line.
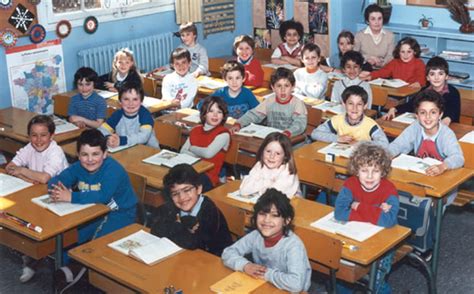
{"points": [[199, 59], [86, 108], [133, 123], [95, 178], [239, 99], [188, 218], [353, 125], [283, 111]]}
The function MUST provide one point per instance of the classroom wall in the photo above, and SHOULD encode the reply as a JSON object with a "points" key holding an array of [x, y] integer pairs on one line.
{"points": [[110, 32]]}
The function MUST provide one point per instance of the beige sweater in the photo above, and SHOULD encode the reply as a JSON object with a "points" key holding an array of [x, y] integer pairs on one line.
{"points": [[365, 45]]}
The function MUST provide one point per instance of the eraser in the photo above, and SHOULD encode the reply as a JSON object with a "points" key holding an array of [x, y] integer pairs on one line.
{"points": [[329, 157]]}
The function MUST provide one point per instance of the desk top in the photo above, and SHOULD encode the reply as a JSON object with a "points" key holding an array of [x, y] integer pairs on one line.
{"points": [[437, 187], [307, 211], [193, 271], [131, 160], [14, 122], [20, 205]]}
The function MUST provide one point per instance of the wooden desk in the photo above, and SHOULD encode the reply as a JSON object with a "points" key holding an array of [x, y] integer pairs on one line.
{"points": [[19, 204], [192, 271], [14, 131], [131, 160], [307, 211]]}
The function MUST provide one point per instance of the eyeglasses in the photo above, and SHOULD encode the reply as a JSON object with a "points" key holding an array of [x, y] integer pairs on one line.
{"points": [[185, 191]]}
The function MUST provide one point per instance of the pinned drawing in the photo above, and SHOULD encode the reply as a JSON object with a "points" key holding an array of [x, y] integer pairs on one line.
{"points": [[318, 18], [274, 13]]}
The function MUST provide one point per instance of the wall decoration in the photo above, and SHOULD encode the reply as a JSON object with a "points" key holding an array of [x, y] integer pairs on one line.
{"points": [[263, 38], [33, 84], [34, 2], [37, 34], [258, 11], [91, 24], [5, 4], [21, 18], [274, 13], [63, 28], [217, 16], [8, 38], [318, 18]]}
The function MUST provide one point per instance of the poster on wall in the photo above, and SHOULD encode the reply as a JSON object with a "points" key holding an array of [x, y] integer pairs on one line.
{"points": [[35, 74], [263, 38], [274, 13], [318, 18]]}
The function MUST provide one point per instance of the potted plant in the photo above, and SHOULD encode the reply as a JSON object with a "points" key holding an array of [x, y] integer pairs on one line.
{"points": [[425, 22]]}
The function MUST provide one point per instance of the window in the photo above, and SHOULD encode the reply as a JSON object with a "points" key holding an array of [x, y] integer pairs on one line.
{"points": [[52, 11]]}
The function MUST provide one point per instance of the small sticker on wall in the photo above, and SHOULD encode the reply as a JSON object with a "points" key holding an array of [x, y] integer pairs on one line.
{"points": [[6, 4], [8, 38], [37, 34], [91, 24], [63, 28], [21, 18]]}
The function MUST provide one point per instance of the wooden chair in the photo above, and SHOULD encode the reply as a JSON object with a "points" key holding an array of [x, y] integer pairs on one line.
{"points": [[231, 158], [149, 87], [329, 87], [315, 173], [324, 252], [379, 98], [267, 74], [264, 55], [235, 218], [215, 65], [139, 186], [168, 134], [314, 120]]}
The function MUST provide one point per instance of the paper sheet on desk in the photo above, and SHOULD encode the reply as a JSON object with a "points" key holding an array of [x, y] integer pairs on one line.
{"points": [[210, 83], [10, 184], [468, 138], [406, 118], [107, 94], [59, 208], [152, 102], [63, 126]]}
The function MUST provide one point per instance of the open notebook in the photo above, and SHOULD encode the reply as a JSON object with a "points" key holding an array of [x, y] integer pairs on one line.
{"points": [[413, 163], [393, 83], [170, 159], [146, 247], [338, 149], [209, 83], [332, 107], [59, 208], [359, 231], [10, 184], [257, 131], [63, 126], [237, 283], [244, 198], [406, 118]]}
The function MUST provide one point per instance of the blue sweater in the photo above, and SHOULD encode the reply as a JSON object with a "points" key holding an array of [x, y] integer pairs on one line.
{"points": [[239, 105], [93, 108]]}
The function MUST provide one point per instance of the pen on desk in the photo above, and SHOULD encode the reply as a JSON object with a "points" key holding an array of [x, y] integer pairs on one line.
{"points": [[22, 222], [349, 246]]}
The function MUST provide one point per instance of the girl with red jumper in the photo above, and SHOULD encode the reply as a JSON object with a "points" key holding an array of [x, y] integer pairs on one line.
{"points": [[244, 48]]}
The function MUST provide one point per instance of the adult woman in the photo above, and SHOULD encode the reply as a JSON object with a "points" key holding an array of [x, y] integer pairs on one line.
{"points": [[374, 42]]}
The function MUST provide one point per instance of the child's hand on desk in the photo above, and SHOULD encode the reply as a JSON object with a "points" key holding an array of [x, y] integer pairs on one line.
{"points": [[355, 205], [176, 102], [346, 139], [414, 85], [110, 86], [385, 207], [390, 114], [13, 169], [113, 141], [60, 193], [255, 270], [235, 128], [436, 170], [365, 76]]}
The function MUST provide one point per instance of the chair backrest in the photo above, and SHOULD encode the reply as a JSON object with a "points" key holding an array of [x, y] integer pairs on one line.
{"points": [[139, 186], [169, 135], [314, 172], [267, 74], [215, 66], [263, 54], [379, 98], [234, 216], [321, 248], [232, 154], [314, 119], [329, 87], [149, 87]]}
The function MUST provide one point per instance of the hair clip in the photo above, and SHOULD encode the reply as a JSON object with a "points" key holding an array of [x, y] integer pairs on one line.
{"points": [[127, 50]]}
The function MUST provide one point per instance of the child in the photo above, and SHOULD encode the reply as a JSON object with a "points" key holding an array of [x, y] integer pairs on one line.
{"points": [[351, 63], [95, 178], [123, 71], [275, 168], [189, 218], [367, 196], [437, 70], [352, 126], [200, 61], [291, 32], [427, 137], [239, 99], [345, 43], [133, 123], [406, 65], [244, 46], [278, 255], [311, 80], [282, 111], [180, 86], [211, 139], [87, 108], [37, 162]]}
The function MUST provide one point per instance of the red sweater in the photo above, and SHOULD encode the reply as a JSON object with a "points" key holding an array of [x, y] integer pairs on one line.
{"points": [[200, 138], [411, 72], [253, 73]]}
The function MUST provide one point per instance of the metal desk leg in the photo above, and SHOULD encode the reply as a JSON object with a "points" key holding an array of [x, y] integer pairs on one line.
{"points": [[372, 275], [58, 262], [439, 218]]}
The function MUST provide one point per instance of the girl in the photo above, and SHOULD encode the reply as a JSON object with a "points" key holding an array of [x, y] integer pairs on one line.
{"points": [[37, 162], [244, 48], [275, 168], [211, 139], [123, 71], [345, 42], [406, 65], [278, 255], [427, 137]]}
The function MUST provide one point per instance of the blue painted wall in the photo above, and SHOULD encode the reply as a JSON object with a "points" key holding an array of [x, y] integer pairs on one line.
{"points": [[111, 32]]}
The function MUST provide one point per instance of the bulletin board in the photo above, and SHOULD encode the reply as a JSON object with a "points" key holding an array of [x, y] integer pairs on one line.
{"points": [[431, 3], [6, 13]]}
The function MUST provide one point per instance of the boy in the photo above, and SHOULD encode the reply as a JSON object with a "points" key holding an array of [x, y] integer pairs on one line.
{"points": [[437, 71], [95, 178], [291, 32], [368, 196], [311, 81], [239, 99], [352, 126], [283, 111], [133, 123], [200, 61], [180, 86], [189, 218], [87, 108], [351, 64]]}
